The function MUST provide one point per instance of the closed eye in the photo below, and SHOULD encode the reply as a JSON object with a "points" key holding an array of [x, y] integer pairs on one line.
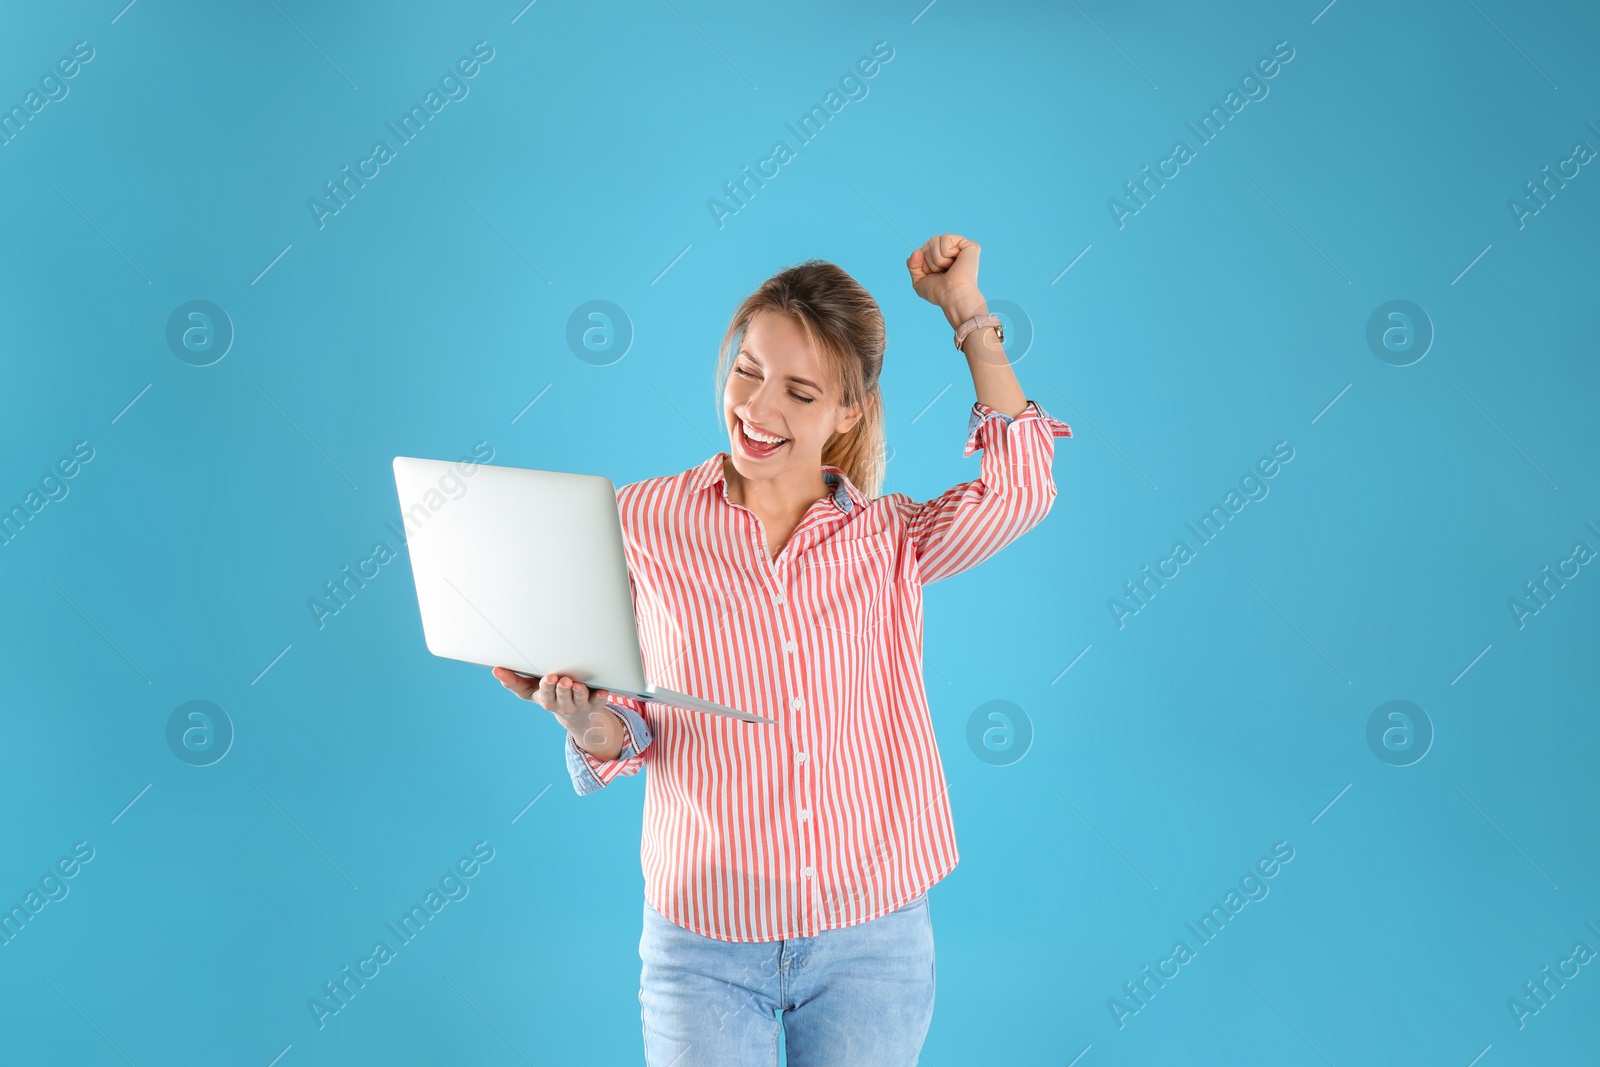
{"points": [[797, 396]]}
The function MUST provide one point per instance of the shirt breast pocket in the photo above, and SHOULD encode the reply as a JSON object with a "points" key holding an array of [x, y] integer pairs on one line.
{"points": [[849, 579]]}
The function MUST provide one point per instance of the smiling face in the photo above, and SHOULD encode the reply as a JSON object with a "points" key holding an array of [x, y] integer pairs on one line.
{"points": [[780, 386]]}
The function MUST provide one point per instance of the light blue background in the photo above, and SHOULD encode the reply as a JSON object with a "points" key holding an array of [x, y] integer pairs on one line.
{"points": [[1227, 315]]}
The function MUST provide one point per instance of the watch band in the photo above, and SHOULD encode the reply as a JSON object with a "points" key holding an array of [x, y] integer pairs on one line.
{"points": [[978, 322]]}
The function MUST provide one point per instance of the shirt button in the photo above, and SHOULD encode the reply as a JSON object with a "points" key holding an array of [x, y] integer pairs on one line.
{"points": [[777, 598], [800, 757], [788, 646], [808, 872], [797, 703], [805, 813]]}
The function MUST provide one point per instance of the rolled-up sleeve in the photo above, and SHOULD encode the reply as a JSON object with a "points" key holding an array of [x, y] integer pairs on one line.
{"points": [[1013, 492], [588, 773]]}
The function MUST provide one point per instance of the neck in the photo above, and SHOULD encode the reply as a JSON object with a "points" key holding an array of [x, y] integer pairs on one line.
{"points": [[788, 495]]}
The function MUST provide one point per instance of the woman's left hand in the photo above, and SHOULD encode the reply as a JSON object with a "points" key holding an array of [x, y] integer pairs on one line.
{"points": [[944, 271]]}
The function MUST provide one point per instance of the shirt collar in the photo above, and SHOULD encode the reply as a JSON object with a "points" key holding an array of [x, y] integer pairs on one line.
{"points": [[711, 472]]}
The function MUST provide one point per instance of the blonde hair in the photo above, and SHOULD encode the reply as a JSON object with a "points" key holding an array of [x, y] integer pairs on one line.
{"points": [[842, 320]]}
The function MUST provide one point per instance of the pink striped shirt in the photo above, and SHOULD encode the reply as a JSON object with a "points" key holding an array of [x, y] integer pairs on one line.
{"points": [[838, 813]]}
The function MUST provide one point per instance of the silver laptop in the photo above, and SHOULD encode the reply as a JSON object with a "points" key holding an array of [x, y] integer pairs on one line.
{"points": [[525, 569]]}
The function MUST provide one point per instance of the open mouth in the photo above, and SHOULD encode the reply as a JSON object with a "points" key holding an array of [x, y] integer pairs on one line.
{"points": [[757, 449]]}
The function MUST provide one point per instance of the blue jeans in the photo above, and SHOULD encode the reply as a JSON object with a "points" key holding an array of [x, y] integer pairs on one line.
{"points": [[861, 996]]}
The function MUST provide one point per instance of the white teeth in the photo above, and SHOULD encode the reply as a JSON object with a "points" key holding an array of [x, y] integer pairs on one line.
{"points": [[763, 438]]}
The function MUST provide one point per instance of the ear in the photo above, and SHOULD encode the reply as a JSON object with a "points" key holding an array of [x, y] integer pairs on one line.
{"points": [[848, 418]]}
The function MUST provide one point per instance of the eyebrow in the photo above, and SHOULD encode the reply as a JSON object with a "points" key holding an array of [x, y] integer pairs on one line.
{"points": [[800, 381]]}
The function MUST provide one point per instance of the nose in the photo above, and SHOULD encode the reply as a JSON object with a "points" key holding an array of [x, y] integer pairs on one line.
{"points": [[757, 408]]}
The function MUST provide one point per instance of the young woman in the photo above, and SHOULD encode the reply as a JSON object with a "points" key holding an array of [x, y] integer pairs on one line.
{"points": [[787, 865]]}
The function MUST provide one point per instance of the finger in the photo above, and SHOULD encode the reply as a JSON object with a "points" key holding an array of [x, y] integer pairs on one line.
{"points": [[583, 699], [546, 692], [515, 682], [917, 264], [564, 696]]}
